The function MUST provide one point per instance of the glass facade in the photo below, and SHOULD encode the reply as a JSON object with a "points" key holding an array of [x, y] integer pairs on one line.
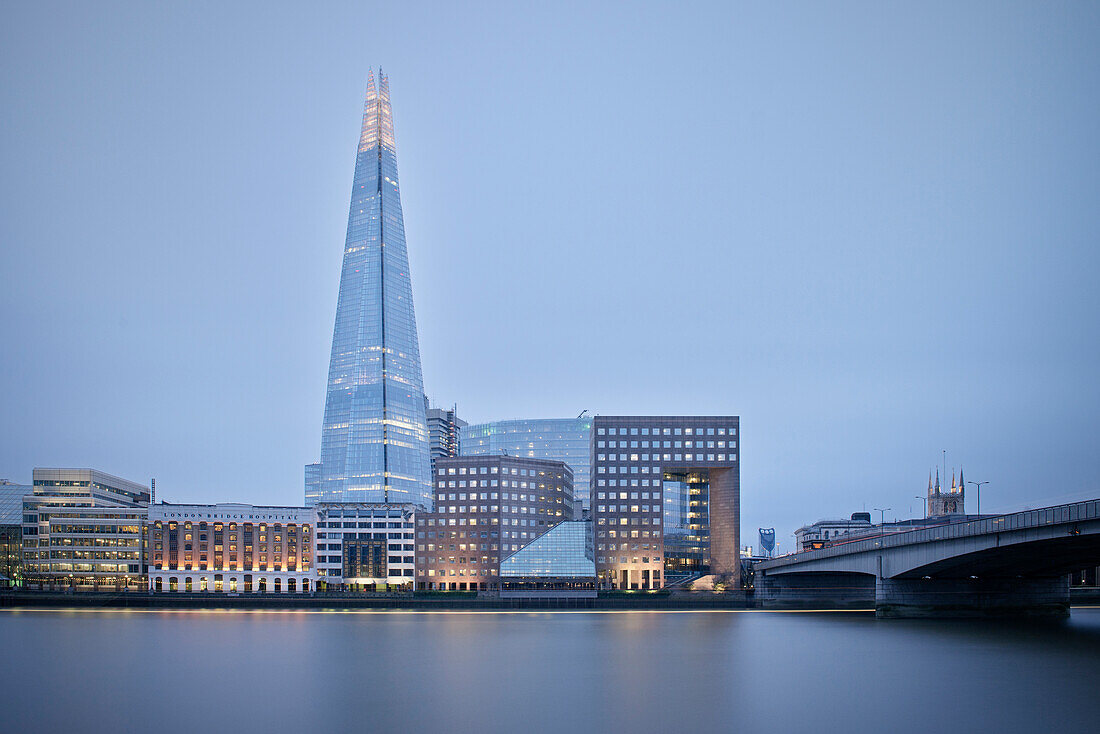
{"points": [[374, 440], [11, 502], [686, 521], [561, 439], [563, 551]]}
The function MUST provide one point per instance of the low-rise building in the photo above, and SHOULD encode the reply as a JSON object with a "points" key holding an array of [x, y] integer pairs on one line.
{"points": [[83, 529], [365, 546], [826, 532], [486, 508], [231, 548]]}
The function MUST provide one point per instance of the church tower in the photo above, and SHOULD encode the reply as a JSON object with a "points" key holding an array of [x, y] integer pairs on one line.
{"points": [[946, 501]]}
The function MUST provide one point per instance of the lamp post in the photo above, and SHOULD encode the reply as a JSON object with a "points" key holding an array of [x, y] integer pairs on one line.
{"points": [[978, 486], [925, 501], [882, 519]]}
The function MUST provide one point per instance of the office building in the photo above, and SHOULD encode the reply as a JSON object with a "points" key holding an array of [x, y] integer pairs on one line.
{"points": [[557, 439], [231, 548], [365, 547], [666, 499], [11, 531], [83, 529], [443, 432], [374, 438], [486, 508]]}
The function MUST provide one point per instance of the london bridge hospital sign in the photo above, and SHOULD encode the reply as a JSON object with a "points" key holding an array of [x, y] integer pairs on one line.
{"points": [[263, 516]]}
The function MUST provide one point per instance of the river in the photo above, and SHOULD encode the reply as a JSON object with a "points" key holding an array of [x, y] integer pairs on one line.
{"points": [[373, 671]]}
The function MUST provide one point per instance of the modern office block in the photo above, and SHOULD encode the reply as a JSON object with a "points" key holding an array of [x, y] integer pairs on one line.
{"points": [[374, 439], [365, 547], [444, 437], [83, 529], [558, 439], [486, 508], [666, 499], [231, 548]]}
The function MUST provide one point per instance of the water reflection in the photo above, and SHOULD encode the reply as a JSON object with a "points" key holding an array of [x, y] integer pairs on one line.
{"points": [[379, 672]]}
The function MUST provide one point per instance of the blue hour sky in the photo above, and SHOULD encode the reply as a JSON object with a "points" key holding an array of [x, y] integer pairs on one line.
{"points": [[872, 230]]}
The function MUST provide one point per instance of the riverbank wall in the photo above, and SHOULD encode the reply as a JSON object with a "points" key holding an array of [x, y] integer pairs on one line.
{"points": [[415, 602]]}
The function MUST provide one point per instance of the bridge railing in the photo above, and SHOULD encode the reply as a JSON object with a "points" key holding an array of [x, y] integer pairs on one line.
{"points": [[1056, 515]]}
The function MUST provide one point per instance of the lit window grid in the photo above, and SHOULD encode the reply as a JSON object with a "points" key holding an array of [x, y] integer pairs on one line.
{"points": [[462, 541]]}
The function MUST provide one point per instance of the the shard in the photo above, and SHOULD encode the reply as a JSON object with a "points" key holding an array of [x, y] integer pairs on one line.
{"points": [[374, 440]]}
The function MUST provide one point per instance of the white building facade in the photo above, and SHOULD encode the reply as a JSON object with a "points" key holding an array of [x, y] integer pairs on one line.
{"points": [[365, 546]]}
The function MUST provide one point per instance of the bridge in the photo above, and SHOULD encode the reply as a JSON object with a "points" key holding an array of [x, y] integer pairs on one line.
{"points": [[1008, 564]]}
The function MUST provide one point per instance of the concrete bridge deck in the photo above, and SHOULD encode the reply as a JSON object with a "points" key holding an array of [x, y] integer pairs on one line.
{"points": [[1015, 563]]}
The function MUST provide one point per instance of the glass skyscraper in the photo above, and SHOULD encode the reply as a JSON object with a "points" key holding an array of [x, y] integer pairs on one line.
{"points": [[560, 439], [374, 440]]}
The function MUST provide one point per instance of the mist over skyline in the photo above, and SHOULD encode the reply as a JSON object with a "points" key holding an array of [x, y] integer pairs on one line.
{"points": [[869, 231]]}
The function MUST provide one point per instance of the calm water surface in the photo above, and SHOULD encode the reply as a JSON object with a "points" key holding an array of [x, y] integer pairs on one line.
{"points": [[166, 671]]}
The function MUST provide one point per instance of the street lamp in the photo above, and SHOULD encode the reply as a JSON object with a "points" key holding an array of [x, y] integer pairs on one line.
{"points": [[978, 486], [882, 518], [922, 499]]}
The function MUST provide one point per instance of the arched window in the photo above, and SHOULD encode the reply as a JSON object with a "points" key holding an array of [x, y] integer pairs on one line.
{"points": [[278, 582], [263, 585], [204, 584], [232, 584], [187, 585], [159, 584], [305, 585], [173, 584], [290, 585]]}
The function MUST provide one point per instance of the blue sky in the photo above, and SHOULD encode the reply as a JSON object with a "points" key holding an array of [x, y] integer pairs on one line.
{"points": [[869, 229]]}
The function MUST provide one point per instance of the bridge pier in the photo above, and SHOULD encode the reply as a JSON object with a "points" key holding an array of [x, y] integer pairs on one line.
{"points": [[972, 597], [815, 591]]}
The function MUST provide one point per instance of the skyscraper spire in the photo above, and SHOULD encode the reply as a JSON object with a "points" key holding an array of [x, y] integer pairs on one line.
{"points": [[374, 439]]}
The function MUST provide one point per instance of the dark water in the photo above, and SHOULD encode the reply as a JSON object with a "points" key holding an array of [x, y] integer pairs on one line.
{"points": [[163, 671]]}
